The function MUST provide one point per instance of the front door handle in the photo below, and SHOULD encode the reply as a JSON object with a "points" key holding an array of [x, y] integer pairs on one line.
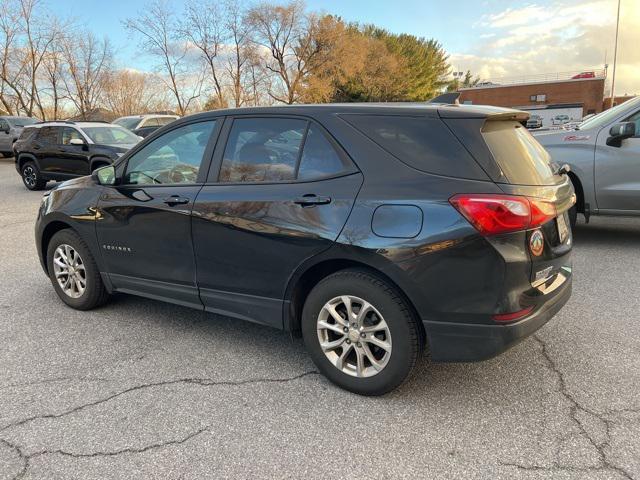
{"points": [[310, 200], [175, 200]]}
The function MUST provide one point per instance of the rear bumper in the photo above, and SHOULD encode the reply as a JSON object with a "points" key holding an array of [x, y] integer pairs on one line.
{"points": [[458, 342]]}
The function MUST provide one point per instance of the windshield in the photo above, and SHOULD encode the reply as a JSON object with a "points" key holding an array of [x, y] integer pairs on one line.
{"points": [[128, 122], [604, 118], [108, 135], [22, 121]]}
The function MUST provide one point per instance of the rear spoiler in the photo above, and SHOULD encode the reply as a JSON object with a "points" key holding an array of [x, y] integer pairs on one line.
{"points": [[517, 115]]}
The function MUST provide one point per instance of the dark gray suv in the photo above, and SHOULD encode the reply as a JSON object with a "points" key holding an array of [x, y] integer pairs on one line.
{"points": [[375, 231]]}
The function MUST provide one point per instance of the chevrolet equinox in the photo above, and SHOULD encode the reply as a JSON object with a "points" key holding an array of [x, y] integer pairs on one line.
{"points": [[375, 231]]}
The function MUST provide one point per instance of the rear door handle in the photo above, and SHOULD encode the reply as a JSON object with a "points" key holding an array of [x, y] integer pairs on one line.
{"points": [[175, 200], [310, 200]]}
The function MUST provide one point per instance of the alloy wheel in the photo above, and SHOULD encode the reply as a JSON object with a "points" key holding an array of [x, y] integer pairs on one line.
{"points": [[30, 176], [354, 336], [69, 270]]}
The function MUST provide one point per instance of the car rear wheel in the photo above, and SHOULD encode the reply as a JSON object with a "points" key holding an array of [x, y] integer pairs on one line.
{"points": [[74, 273], [31, 177], [360, 332]]}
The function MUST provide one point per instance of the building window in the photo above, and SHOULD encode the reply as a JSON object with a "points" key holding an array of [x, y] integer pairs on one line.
{"points": [[540, 97]]}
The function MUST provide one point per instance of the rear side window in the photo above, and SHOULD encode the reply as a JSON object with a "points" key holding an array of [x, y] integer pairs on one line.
{"points": [[421, 142], [521, 158], [279, 150], [319, 158], [48, 135]]}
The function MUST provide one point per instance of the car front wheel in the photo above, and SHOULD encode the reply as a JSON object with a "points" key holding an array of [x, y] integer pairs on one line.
{"points": [[73, 272], [360, 332], [31, 177]]}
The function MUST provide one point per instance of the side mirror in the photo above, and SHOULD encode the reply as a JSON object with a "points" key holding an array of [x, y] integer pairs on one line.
{"points": [[105, 175], [619, 132], [5, 129], [77, 141]]}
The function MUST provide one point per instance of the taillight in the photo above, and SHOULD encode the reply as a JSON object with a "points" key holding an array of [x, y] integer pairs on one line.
{"points": [[493, 214]]}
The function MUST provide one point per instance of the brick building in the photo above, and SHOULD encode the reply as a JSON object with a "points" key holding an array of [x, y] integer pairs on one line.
{"points": [[544, 93]]}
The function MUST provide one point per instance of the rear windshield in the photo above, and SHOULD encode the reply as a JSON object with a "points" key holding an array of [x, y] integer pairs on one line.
{"points": [[127, 122], [521, 158]]}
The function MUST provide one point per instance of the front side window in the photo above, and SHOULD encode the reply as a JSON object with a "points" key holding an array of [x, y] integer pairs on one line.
{"points": [[174, 157], [278, 150], [69, 134], [636, 119]]}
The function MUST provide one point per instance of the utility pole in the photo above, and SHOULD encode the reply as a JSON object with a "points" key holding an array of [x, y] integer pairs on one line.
{"points": [[615, 57]]}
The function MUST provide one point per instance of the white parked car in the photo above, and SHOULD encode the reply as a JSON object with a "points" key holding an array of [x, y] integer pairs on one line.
{"points": [[143, 125], [560, 119]]}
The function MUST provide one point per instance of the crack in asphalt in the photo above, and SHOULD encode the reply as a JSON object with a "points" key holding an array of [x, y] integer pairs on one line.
{"points": [[26, 458], [207, 382], [574, 409]]}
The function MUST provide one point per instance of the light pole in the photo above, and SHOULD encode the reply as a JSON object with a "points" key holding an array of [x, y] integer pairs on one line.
{"points": [[615, 57]]}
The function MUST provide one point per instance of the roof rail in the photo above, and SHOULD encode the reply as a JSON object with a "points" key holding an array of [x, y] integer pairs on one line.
{"points": [[54, 121]]}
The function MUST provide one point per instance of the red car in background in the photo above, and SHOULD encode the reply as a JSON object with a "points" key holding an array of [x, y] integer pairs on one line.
{"points": [[585, 75]]}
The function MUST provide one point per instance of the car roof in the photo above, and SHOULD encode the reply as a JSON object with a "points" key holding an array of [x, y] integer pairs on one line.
{"points": [[63, 123], [398, 108]]}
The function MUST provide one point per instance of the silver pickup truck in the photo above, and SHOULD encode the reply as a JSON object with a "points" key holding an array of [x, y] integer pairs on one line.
{"points": [[604, 156]]}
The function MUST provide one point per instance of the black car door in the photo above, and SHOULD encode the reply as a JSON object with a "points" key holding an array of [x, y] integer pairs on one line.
{"points": [[278, 193], [144, 222], [72, 159], [45, 149]]}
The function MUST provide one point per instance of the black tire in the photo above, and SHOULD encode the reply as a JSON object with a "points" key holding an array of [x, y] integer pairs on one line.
{"points": [[406, 338], [573, 216], [31, 176], [95, 293]]}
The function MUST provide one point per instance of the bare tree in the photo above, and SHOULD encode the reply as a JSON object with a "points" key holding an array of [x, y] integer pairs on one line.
{"points": [[158, 32], [242, 60], [297, 46], [204, 28], [88, 60], [25, 40], [129, 92]]}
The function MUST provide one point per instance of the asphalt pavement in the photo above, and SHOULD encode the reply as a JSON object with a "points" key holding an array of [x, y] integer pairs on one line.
{"points": [[142, 389]]}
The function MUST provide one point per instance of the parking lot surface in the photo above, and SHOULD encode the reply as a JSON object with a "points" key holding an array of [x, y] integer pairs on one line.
{"points": [[142, 389]]}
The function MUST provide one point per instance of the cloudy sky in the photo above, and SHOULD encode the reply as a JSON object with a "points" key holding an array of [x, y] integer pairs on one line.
{"points": [[492, 38]]}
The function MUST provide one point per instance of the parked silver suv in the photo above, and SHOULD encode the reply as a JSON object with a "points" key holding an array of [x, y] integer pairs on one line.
{"points": [[10, 130], [604, 156]]}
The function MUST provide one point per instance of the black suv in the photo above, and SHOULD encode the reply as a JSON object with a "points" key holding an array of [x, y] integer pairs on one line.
{"points": [[63, 150], [375, 231]]}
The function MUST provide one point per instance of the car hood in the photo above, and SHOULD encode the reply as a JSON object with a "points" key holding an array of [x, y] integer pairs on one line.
{"points": [[79, 182]]}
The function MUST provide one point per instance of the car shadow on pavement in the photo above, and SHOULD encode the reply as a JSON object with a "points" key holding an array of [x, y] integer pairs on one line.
{"points": [[624, 232]]}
